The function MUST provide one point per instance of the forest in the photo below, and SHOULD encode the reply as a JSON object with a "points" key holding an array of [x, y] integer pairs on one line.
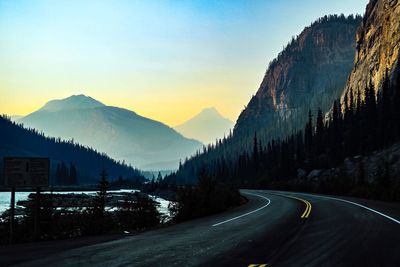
{"points": [[359, 125], [84, 162]]}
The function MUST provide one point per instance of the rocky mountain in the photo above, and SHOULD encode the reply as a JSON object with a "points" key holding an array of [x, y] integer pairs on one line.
{"points": [[310, 73], [207, 126], [122, 134], [377, 47]]}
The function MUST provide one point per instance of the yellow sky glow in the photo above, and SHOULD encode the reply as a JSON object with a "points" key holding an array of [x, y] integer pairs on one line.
{"points": [[165, 60]]}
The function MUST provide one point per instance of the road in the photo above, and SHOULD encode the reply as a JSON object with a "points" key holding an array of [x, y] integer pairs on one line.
{"points": [[273, 228]]}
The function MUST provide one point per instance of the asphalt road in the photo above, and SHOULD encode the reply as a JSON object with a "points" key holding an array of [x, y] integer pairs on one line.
{"points": [[273, 228]]}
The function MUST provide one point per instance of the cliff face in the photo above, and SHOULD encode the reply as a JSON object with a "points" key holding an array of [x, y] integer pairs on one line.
{"points": [[308, 74], [378, 44]]}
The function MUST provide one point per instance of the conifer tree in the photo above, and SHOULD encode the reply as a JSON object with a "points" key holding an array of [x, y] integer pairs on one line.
{"points": [[308, 133], [255, 150], [319, 132], [73, 179], [101, 198]]}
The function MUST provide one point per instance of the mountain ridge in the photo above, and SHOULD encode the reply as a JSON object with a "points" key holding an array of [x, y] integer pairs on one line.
{"points": [[80, 101], [121, 133], [309, 73]]}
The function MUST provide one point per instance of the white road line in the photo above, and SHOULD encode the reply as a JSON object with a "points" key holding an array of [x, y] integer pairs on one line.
{"points": [[356, 204], [365, 207], [248, 213]]}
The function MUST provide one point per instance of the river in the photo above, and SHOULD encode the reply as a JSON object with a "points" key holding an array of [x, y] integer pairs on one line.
{"points": [[5, 198]]}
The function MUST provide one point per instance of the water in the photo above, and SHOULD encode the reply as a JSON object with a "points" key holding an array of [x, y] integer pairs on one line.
{"points": [[5, 198]]}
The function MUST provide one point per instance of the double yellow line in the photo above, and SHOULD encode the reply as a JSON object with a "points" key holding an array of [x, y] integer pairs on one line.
{"points": [[307, 211]]}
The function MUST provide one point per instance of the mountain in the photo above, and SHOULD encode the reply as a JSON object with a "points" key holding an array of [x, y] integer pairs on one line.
{"points": [[71, 103], [16, 141], [377, 50], [207, 126], [122, 134], [329, 151], [308, 74], [15, 117]]}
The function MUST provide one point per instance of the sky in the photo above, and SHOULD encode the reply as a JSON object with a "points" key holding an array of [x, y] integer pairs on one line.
{"points": [[165, 60]]}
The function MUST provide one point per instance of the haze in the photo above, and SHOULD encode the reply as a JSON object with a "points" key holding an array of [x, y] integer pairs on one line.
{"points": [[166, 60]]}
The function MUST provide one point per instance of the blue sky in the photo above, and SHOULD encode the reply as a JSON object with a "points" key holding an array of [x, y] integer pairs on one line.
{"points": [[163, 59]]}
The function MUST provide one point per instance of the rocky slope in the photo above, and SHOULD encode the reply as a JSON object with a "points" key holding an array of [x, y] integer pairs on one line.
{"points": [[378, 44], [374, 169], [308, 74]]}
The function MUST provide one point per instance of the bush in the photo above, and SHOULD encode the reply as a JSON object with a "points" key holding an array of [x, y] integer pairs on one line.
{"points": [[208, 197], [138, 212]]}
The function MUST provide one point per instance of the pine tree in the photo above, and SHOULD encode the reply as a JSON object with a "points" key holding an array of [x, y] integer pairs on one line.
{"points": [[385, 121], [62, 174], [335, 134], [308, 134], [319, 132], [159, 178], [255, 150], [101, 198], [395, 107], [371, 117], [351, 143], [58, 174], [73, 180]]}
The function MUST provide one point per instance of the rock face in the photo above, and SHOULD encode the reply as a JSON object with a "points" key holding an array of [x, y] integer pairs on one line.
{"points": [[309, 73], [378, 44], [374, 166]]}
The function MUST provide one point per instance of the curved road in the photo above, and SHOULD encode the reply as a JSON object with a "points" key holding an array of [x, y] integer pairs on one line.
{"points": [[273, 228]]}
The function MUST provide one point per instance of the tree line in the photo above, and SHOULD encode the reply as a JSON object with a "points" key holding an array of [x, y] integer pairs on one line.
{"points": [[66, 175], [365, 121], [15, 140], [64, 216]]}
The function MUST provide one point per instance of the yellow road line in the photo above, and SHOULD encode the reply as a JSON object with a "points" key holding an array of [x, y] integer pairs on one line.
{"points": [[307, 211]]}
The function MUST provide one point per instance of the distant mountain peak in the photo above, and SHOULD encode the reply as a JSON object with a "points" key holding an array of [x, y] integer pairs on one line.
{"points": [[209, 112], [121, 133], [211, 109], [206, 126], [80, 101]]}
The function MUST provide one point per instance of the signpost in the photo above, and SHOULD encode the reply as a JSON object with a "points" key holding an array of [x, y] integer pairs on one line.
{"points": [[22, 172]]}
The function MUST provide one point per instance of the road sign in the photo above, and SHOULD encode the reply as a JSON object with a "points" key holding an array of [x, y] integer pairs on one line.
{"points": [[26, 172]]}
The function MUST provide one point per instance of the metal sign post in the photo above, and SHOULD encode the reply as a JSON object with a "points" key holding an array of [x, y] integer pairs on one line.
{"points": [[26, 173], [36, 229], [12, 215]]}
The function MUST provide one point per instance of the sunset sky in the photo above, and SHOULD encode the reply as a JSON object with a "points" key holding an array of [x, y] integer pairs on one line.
{"points": [[165, 60]]}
